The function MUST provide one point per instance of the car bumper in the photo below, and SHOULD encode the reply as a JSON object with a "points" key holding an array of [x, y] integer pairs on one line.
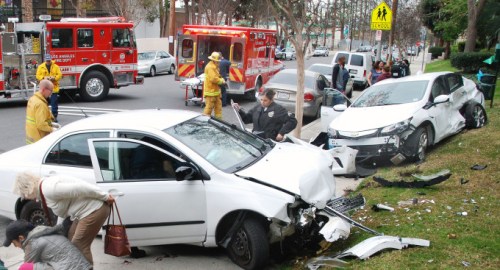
{"points": [[369, 147], [310, 110], [144, 70]]}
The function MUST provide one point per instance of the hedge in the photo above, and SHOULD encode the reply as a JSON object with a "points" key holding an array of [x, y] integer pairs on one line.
{"points": [[436, 51], [470, 62]]}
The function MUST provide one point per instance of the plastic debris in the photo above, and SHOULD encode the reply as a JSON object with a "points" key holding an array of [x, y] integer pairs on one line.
{"points": [[330, 262], [462, 213], [463, 181], [428, 180], [379, 206], [466, 264], [478, 167], [452, 236]]}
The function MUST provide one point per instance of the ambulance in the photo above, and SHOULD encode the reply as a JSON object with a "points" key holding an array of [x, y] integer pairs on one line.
{"points": [[250, 51], [94, 54]]}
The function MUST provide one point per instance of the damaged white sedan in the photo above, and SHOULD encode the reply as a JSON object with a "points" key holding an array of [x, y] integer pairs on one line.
{"points": [[400, 118], [180, 177]]}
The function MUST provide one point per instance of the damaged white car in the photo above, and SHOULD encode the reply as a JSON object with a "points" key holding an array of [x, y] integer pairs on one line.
{"points": [[400, 118], [180, 177]]}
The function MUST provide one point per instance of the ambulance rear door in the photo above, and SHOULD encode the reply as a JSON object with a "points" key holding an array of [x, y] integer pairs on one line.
{"points": [[237, 69], [186, 57]]}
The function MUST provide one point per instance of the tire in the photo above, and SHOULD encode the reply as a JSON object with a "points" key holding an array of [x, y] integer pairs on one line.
{"points": [[94, 86], [172, 69], [33, 213], [417, 144], [152, 71], [475, 116], [249, 246]]}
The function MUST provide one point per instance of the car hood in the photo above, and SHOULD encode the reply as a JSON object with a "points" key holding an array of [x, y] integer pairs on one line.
{"points": [[301, 170], [366, 118]]}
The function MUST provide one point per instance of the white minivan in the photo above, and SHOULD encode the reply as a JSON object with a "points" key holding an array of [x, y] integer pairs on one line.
{"points": [[359, 65]]}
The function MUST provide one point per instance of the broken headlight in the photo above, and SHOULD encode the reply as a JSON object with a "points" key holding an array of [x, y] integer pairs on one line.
{"points": [[396, 128]]}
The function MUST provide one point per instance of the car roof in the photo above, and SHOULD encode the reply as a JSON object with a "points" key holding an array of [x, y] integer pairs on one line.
{"points": [[133, 119], [294, 71], [321, 65]]}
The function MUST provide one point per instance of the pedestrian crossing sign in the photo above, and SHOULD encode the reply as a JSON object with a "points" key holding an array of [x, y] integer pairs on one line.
{"points": [[381, 17]]}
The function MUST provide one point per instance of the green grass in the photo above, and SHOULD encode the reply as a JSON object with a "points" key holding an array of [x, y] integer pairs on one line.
{"points": [[473, 238]]}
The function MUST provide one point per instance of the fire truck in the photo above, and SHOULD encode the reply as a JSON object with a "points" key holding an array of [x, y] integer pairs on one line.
{"points": [[94, 54], [250, 50]]}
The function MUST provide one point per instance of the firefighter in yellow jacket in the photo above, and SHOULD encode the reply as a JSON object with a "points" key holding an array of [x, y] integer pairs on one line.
{"points": [[211, 86], [50, 70], [38, 116]]}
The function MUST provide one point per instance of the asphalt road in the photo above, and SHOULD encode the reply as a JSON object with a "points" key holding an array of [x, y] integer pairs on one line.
{"points": [[161, 91]]}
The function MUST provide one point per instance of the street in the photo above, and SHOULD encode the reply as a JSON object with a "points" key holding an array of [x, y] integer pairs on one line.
{"points": [[161, 91]]}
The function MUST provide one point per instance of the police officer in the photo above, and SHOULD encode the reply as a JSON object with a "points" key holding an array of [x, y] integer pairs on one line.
{"points": [[270, 120]]}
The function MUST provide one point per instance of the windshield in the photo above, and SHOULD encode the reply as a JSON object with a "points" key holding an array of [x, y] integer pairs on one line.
{"points": [[291, 79], [392, 94], [146, 55], [325, 70], [227, 148]]}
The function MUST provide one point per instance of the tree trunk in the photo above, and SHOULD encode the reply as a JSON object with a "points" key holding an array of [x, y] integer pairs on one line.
{"points": [[186, 12], [334, 23], [447, 50], [472, 16], [299, 104]]}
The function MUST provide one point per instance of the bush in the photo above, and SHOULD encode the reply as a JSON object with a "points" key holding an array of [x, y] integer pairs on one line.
{"points": [[470, 62], [436, 51]]}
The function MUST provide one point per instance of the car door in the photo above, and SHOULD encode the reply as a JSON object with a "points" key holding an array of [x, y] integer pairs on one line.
{"points": [[440, 113], [154, 206], [458, 98], [71, 156], [162, 61]]}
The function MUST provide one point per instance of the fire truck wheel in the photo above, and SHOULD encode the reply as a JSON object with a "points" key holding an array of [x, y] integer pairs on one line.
{"points": [[172, 69], [152, 71], [94, 86]]}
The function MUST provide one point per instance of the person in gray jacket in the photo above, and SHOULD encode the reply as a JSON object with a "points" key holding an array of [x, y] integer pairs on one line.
{"points": [[44, 247]]}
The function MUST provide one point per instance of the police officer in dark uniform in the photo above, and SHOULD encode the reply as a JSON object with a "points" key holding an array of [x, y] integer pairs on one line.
{"points": [[270, 120]]}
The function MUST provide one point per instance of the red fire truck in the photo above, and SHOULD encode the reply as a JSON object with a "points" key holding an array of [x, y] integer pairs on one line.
{"points": [[250, 50], [94, 54]]}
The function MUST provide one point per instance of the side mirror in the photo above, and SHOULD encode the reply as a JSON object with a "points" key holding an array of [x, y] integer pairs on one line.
{"points": [[441, 99], [339, 107], [185, 172]]}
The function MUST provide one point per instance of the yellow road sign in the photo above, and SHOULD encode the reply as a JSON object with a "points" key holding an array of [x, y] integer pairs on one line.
{"points": [[381, 17]]}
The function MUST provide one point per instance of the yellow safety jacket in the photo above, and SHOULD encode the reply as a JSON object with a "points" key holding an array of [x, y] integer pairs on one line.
{"points": [[55, 72], [38, 118], [213, 80]]}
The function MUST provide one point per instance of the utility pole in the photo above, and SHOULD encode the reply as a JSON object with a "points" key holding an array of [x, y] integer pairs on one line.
{"points": [[171, 28], [391, 34]]}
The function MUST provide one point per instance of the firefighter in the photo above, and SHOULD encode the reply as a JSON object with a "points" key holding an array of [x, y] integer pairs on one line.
{"points": [[211, 86], [50, 70], [38, 116]]}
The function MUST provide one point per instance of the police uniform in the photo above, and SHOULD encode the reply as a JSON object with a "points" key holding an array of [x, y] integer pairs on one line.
{"points": [[269, 122]]}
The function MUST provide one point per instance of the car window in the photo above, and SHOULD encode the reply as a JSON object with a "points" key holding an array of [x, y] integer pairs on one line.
{"points": [[325, 70], [454, 82], [356, 60], [225, 147], [73, 150], [132, 160], [322, 82], [439, 88], [62, 38], [392, 94], [85, 38], [146, 56]]}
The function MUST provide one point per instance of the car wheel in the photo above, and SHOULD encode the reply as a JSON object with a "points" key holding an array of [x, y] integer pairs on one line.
{"points": [[417, 144], [152, 71], [33, 213], [249, 246], [475, 116], [172, 69], [94, 86]]}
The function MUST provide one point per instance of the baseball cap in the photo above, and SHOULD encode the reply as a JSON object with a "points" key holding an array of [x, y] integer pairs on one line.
{"points": [[15, 229], [48, 57]]}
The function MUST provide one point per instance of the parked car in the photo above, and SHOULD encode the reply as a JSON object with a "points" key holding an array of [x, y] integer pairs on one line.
{"points": [[400, 118], [358, 64], [321, 51], [411, 51], [209, 183], [364, 48], [286, 53], [327, 70], [154, 62], [285, 85]]}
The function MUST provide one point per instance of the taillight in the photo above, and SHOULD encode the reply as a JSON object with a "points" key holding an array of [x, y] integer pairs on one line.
{"points": [[364, 73], [308, 97]]}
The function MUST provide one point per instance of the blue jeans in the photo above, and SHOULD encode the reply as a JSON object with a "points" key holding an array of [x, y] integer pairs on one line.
{"points": [[224, 94], [54, 104]]}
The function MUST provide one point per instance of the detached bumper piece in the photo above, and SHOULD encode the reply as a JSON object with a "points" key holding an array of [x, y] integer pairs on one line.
{"points": [[375, 244], [344, 205], [424, 180]]}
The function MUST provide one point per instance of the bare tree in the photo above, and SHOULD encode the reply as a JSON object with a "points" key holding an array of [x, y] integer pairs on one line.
{"points": [[216, 11], [472, 17], [133, 10], [300, 16], [81, 7]]}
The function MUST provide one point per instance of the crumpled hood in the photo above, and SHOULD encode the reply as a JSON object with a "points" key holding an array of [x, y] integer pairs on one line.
{"points": [[366, 118], [302, 170]]}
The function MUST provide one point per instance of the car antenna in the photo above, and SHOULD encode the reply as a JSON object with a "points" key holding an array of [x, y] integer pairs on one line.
{"points": [[74, 102]]}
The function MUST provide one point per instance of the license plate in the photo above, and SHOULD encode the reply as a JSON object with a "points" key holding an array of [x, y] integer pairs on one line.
{"points": [[283, 95], [353, 71]]}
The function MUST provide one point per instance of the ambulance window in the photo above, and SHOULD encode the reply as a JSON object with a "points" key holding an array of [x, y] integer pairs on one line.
{"points": [[187, 48], [121, 38], [85, 38], [238, 52], [62, 38]]}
